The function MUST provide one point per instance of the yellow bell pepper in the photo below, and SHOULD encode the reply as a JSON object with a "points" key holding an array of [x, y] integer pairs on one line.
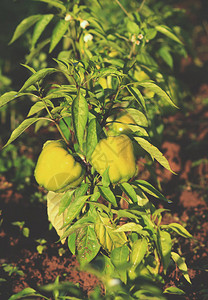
{"points": [[56, 169], [117, 153]]}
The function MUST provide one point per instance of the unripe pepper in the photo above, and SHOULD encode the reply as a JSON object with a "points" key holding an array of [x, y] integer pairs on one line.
{"points": [[117, 153], [56, 169], [121, 125]]}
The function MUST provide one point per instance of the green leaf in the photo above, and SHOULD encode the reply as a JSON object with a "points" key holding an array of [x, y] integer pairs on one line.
{"points": [[72, 243], [81, 191], [123, 213], [157, 214], [37, 77], [56, 3], [65, 125], [38, 106], [132, 27], [139, 249], [138, 96], [40, 26], [60, 288], [180, 262], [164, 52], [105, 178], [59, 93], [26, 232], [105, 232], [96, 24], [130, 226], [164, 246], [20, 129], [150, 189], [104, 72], [150, 33], [25, 293], [108, 195], [92, 138], [31, 69], [129, 191], [138, 117], [24, 26], [146, 59], [101, 206], [36, 51], [74, 209], [157, 90], [58, 32], [9, 96], [149, 225], [95, 196], [79, 117], [168, 32], [154, 152], [65, 201], [174, 290], [82, 222], [179, 229], [142, 199], [104, 266], [87, 245], [119, 258]]}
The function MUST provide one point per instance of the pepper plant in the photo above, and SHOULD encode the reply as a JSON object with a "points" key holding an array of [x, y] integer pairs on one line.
{"points": [[110, 59]]}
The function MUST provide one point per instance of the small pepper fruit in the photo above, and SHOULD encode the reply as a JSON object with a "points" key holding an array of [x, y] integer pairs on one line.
{"points": [[117, 153], [121, 125], [56, 169]]}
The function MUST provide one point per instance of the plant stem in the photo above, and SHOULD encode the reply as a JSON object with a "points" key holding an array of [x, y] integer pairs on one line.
{"points": [[124, 10], [57, 125], [61, 133], [132, 50], [142, 4]]}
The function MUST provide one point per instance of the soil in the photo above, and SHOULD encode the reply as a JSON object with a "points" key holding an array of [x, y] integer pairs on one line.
{"points": [[184, 143]]}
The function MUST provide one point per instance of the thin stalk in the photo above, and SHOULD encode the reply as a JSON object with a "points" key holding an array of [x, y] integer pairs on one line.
{"points": [[158, 263], [92, 186], [122, 37], [109, 109], [68, 77], [124, 10], [142, 4], [61, 133], [132, 50], [57, 125]]}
